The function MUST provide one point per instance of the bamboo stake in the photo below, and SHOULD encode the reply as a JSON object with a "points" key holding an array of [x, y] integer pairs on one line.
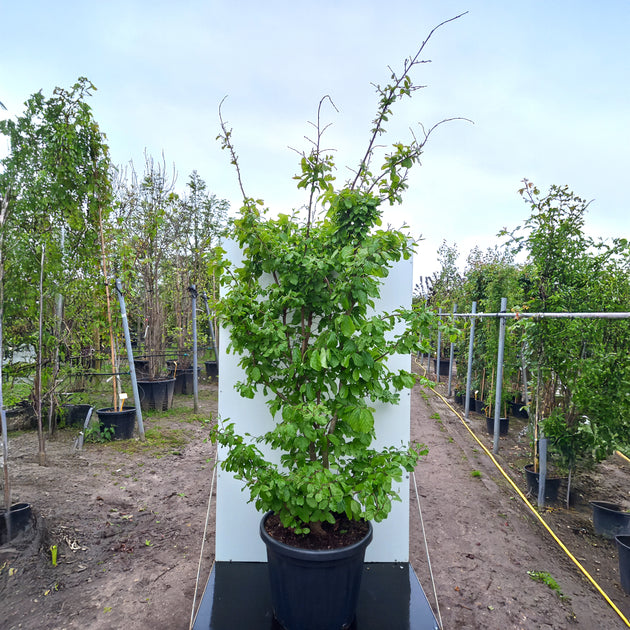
{"points": [[38, 393]]}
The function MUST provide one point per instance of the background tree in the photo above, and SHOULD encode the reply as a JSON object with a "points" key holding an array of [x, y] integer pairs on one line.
{"points": [[582, 363], [57, 171]]}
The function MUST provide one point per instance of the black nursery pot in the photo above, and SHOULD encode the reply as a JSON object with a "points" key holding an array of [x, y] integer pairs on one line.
{"points": [[75, 414], [552, 484], [623, 547], [444, 366], [608, 519], [504, 425], [20, 516], [184, 380], [212, 369], [156, 394], [314, 590], [123, 422], [480, 406]]}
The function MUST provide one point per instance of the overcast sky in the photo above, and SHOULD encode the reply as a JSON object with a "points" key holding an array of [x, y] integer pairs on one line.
{"points": [[546, 85]]}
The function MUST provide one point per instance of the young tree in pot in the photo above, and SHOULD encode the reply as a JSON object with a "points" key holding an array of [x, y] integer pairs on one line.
{"points": [[300, 314]]}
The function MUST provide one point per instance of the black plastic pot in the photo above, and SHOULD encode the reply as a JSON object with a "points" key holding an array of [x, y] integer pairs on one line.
{"points": [[183, 380], [74, 414], [623, 548], [480, 406], [123, 422], [552, 484], [458, 399], [609, 520], [444, 365], [20, 516], [20, 418], [157, 394], [518, 410], [314, 590], [212, 369], [504, 425]]}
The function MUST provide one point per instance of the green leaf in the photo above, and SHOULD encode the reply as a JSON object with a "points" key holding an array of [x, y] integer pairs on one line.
{"points": [[347, 326]]}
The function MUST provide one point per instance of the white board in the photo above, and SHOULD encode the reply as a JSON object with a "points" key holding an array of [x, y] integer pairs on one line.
{"points": [[237, 522]]}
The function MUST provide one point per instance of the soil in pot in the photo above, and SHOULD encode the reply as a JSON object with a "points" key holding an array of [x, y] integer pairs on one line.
{"points": [[156, 394], [623, 547], [552, 484], [504, 425], [123, 422], [18, 520], [314, 589], [609, 520]]}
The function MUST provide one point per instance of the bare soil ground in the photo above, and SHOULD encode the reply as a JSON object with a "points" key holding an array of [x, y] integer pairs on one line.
{"points": [[128, 521], [483, 540]]}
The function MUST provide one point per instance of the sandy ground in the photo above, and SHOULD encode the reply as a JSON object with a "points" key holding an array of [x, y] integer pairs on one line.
{"points": [[128, 520]]}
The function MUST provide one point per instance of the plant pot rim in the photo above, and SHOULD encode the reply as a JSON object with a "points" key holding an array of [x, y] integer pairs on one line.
{"points": [[15, 507], [314, 555], [529, 468], [114, 410], [608, 506], [159, 379]]}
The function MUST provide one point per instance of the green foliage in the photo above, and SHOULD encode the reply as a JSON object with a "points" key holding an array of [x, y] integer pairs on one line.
{"points": [[165, 243], [15, 392], [547, 578], [300, 309], [56, 182], [585, 376], [97, 433]]}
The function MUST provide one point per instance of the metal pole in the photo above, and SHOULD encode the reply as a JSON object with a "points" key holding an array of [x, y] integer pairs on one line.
{"points": [[525, 384], [499, 386], [5, 440], [439, 350], [543, 315], [542, 475], [193, 295], [132, 367], [451, 358], [471, 343]]}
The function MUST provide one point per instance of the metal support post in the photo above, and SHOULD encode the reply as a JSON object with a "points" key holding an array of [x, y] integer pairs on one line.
{"points": [[132, 367], [471, 344]]}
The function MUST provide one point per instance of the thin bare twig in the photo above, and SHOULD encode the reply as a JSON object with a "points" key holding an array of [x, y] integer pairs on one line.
{"points": [[226, 140]]}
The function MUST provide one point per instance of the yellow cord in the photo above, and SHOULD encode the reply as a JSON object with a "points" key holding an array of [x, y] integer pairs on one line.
{"points": [[622, 455], [534, 511]]}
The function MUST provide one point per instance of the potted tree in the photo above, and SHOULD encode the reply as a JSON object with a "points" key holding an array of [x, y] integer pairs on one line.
{"points": [[147, 208], [300, 314]]}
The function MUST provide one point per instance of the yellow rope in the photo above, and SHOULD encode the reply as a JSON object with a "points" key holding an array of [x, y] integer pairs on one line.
{"points": [[535, 513], [622, 455]]}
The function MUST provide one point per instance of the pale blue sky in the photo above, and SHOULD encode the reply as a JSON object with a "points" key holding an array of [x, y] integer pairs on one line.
{"points": [[546, 83]]}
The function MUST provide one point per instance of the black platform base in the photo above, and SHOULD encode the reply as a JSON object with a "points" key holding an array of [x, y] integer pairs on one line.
{"points": [[237, 596]]}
